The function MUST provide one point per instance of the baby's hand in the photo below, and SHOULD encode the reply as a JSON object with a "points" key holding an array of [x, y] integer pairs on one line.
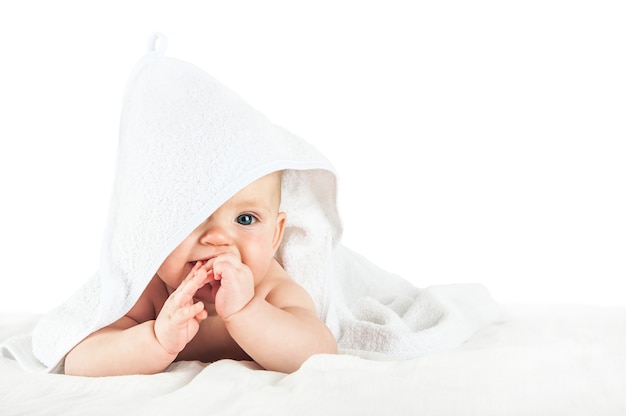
{"points": [[234, 281], [179, 319]]}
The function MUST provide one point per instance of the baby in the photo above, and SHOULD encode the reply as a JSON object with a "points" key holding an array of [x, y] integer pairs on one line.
{"points": [[219, 294]]}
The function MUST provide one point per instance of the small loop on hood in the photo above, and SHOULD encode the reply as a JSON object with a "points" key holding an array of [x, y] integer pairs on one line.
{"points": [[157, 42]]}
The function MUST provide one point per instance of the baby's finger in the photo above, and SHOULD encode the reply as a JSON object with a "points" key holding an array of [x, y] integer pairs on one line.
{"points": [[188, 288], [192, 273], [202, 314], [197, 266], [226, 265], [230, 256], [184, 314]]}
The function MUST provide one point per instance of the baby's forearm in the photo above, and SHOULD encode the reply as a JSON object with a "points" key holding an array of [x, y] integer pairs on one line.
{"points": [[277, 339], [116, 351]]}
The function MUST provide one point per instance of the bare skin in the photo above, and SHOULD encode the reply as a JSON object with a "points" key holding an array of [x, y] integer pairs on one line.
{"points": [[219, 294]]}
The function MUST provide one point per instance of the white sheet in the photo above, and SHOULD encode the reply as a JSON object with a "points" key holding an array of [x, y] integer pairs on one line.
{"points": [[549, 360]]}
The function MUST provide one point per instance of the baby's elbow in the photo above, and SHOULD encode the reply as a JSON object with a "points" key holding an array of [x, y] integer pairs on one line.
{"points": [[71, 365], [76, 363], [329, 343], [332, 348], [326, 346]]}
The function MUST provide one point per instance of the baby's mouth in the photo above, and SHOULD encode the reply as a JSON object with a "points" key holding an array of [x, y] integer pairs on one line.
{"points": [[204, 260]]}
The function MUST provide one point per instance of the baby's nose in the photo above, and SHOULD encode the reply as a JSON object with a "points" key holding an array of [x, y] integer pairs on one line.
{"points": [[216, 235]]}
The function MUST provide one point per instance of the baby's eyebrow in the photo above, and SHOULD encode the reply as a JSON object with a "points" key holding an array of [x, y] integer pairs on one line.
{"points": [[253, 205]]}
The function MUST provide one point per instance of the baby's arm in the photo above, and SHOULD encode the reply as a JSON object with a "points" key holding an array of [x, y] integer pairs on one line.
{"points": [[280, 329], [129, 347], [281, 338]]}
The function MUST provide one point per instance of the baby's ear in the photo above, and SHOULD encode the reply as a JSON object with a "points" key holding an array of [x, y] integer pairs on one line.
{"points": [[281, 219]]}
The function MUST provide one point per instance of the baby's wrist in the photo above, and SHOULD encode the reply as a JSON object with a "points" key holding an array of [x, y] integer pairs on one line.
{"points": [[242, 312], [160, 346]]}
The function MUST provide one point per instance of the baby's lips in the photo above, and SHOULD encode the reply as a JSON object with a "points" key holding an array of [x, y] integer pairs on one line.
{"points": [[205, 260]]}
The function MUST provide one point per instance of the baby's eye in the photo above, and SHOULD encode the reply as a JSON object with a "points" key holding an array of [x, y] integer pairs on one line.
{"points": [[246, 219]]}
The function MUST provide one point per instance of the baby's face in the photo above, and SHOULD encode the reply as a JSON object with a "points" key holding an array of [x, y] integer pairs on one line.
{"points": [[248, 224]]}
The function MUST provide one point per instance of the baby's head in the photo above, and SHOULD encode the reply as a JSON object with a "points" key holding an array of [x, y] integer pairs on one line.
{"points": [[248, 224]]}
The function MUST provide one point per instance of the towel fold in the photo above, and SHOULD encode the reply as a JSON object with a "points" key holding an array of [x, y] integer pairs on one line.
{"points": [[187, 144]]}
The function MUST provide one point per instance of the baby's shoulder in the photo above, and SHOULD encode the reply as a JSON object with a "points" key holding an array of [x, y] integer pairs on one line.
{"points": [[150, 302], [283, 292]]}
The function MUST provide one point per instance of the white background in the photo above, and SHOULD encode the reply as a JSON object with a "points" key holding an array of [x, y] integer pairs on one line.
{"points": [[476, 141]]}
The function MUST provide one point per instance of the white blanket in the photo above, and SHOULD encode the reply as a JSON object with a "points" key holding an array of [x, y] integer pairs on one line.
{"points": [[552, 360], [187, 143]]}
